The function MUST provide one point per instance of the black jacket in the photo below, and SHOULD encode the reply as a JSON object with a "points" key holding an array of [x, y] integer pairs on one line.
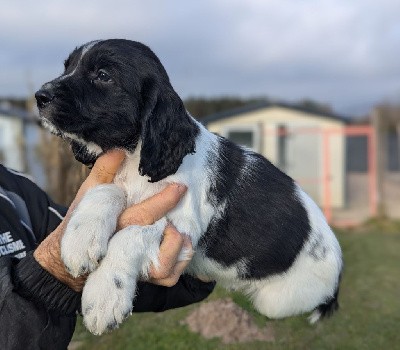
{"points": [[36, 310]]}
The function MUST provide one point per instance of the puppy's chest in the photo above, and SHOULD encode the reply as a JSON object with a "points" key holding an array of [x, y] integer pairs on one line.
{"points": [[136, 187], [193, 213]]}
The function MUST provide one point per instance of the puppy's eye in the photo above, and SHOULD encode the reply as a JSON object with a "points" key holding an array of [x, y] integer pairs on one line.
{"points": [[103, 76]]}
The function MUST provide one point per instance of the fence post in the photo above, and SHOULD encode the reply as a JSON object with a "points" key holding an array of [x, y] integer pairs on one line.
{"points": [[380, 160], [326, 174]]}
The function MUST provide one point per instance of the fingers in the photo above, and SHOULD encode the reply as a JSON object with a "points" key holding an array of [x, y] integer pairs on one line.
{"points": [[106, 166], [153, 208], [170, 269], [147, 213], [173, 278], [170, 248], [103, 171]]}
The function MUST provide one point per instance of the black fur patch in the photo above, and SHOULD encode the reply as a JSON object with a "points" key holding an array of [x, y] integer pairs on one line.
{"points": [[263, 224], [88, 309], [81, 154], [83, 270], [168, 135], [328, 308], [112, 325], [118, 282]]}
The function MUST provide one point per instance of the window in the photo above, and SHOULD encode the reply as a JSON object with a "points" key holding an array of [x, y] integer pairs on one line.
{"points": [[243, 138], [247, 136]]}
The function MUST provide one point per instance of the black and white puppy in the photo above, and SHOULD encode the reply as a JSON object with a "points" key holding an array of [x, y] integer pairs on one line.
{"points": [[252, 227]]}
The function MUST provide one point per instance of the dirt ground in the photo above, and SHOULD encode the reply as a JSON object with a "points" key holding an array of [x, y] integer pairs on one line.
{"points": [[224, 319]]}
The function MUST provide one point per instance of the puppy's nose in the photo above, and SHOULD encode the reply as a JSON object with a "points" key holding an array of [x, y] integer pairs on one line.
{"points": [[43, 98]]}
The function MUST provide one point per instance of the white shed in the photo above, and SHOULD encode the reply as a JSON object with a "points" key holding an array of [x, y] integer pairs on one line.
{"points": [[294, 139], [11, 140]]}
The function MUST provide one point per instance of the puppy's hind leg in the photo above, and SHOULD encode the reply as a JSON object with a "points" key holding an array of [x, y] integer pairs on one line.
{"points": [[110, 290], [92, 223]]}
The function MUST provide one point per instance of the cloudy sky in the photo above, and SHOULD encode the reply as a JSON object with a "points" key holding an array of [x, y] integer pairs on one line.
{"points": [[342, 52]]}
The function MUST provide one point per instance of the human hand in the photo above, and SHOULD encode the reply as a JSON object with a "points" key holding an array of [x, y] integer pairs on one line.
{"points": [[147, 213], [48, 253]]}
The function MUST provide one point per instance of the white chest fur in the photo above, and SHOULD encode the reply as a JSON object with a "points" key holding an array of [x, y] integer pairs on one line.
{"points": [[193, 213]]}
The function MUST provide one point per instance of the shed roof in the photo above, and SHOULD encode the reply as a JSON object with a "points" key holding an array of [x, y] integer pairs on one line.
{"points": [[268, 104]]}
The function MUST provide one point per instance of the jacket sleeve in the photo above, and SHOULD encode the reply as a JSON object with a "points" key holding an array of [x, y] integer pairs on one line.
{"points": [[39, 312], [188, 290], [36, 310], [45, 215], [25, 322]]}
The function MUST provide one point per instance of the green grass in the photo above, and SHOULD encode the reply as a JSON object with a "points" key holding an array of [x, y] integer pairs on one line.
{"points": [[369, 317]]}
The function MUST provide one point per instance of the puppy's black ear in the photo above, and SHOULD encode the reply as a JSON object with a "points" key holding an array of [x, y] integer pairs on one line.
{"points": [[168, 133]]}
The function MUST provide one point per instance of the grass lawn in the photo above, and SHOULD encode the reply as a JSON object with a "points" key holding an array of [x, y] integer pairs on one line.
{"points": [[369, 317]]}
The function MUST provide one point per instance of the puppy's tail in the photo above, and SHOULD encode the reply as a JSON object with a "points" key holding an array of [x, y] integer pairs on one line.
{"points": [[325, 309]]}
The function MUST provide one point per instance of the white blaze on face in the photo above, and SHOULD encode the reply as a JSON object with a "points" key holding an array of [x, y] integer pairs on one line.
{"points": [[90, 146], [85, 50]]}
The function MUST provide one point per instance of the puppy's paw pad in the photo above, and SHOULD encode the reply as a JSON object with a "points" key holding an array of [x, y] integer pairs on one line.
{"points": [[111, 326], [83, 249], [106, 301], [106, 316]]}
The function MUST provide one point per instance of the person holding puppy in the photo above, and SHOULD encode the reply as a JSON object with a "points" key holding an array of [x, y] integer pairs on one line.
{"points": [[38, 298]]}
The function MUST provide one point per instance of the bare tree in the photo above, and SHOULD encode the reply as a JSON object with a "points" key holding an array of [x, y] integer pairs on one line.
{"points": [[64, 174]]}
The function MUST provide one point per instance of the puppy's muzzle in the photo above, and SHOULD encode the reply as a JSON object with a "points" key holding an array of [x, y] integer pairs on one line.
{"points": [[44, 96]]}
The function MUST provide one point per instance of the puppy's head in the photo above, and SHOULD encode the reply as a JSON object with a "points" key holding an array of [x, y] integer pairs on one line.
{"points": [[113, 94]]}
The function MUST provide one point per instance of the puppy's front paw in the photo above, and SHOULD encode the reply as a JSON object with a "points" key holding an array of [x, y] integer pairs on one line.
{"points": [[85, 240], [82, 247], [109, 290], [107, 299]]}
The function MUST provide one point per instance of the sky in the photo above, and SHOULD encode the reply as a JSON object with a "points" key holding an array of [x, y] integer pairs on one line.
{"points": [[345, 53]]}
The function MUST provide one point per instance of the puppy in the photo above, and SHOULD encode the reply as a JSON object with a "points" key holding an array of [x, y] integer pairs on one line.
{"points": [[252, 227]]}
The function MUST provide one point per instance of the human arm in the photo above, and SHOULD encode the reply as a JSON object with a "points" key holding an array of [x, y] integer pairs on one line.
{"points": [[24, 218]]}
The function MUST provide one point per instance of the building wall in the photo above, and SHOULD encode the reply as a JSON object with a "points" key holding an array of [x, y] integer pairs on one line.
{"points": [[35, 166], [306, 148], [11, 141]]}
